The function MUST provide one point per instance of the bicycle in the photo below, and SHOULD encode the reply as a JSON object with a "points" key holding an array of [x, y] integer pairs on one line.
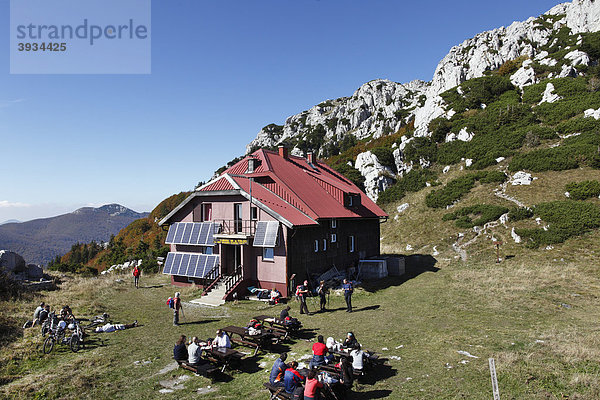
{"points": [[58, 335]]}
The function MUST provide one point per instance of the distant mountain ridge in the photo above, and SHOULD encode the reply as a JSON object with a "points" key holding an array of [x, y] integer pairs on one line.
{"points": [[40, 240], [10, 221]]}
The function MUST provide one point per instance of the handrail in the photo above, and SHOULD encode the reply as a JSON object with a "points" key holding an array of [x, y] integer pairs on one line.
{"points": [[213, 277], [232, 280], [236, 226]]}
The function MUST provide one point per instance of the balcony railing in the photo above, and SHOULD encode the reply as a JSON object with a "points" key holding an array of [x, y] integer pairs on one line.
{"points": [[235, 227]]}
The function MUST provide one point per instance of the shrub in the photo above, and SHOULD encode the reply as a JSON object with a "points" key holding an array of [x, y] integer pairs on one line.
{"points": [[520, 213], [385, 157], [565, 218], [476, 92], [413, 181], [351, 173], [420, 148], [485, 213], [457, 188], [583, 190], [574, 152]]}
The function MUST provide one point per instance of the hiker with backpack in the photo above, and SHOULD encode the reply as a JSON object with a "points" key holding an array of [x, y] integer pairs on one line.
{"points": [[175, 304], [136, 276], [302, 293]]}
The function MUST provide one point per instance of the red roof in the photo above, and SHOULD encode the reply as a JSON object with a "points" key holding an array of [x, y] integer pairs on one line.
{"points": [[299, 192], [221, 183]]}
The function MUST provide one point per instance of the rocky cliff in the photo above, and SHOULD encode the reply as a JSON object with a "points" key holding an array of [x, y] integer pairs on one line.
{"points": [[547, 46]]}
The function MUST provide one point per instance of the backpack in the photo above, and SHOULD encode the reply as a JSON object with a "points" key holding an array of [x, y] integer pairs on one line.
{"points": [[171, 302]]}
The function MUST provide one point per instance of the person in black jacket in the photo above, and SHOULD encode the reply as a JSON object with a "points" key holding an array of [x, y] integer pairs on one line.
{"points": [[180, 352], [284, 313]]}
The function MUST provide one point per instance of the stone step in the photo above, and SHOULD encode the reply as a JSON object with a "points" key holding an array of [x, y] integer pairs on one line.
{"points": [[209, 301]]}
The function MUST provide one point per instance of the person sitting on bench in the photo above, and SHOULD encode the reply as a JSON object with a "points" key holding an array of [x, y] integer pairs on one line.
{"points": [[222, 340], [284, 313], [274, 297], [311, 390], [180, 352], [357, 359], [319, 350], [278, 371], [194, 352], [350, 342], [292, 378]]}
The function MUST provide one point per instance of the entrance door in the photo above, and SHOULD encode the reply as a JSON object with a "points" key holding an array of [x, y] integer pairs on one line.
{"points": [[233, 259]]}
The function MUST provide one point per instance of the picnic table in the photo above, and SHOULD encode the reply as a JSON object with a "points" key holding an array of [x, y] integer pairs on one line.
{"points": [[222, 356], [241, 336], [277, 327], [277, 324]]}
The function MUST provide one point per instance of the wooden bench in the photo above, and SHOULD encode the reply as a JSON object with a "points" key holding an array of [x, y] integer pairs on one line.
{"points": [[277, 392], [241, 336], [205, 369]]}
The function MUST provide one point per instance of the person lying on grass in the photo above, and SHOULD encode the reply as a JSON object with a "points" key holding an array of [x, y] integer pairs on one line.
{"points": [[115, 327]]}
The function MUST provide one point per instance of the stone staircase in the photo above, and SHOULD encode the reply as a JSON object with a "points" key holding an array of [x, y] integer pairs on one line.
{"points": [[215, 297]]}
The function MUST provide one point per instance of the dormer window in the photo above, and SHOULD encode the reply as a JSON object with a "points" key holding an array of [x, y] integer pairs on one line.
{"points": [[351, 199]]}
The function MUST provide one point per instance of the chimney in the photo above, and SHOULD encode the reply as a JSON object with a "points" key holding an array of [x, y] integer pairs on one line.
{"points": [[283, 151], [309, 157]]}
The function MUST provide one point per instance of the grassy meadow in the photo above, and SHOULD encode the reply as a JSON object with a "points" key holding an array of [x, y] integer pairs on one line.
{"points": [[538, 320]]}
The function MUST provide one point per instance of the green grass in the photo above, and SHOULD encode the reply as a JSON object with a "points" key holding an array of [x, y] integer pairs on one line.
{"points": [[488, 309]]}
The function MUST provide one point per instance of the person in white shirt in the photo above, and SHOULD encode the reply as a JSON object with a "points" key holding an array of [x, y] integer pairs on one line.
{"points": [[357, 358], [113, 327], [194, 352], [222, 340]]}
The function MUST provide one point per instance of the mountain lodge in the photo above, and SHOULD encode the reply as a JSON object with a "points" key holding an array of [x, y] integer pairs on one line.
{"points": [[271, 221]]}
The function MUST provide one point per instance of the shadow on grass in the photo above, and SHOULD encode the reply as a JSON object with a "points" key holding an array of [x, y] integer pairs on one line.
{"points": [[304, 334], [377, 373], [373, 394], [202, 321], [415, 265]]}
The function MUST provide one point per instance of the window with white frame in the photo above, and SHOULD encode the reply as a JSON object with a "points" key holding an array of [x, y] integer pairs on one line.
{"points": [[316, 246], [333, 223], [351, 244], [333, 238], [268, 253], [324, 244]]}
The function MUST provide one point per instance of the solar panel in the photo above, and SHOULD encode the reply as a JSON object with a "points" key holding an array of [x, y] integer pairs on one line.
{"points": [[187, 232], [169, 263], [190, 264], [194, 233], [266, 234], [171, 234]]}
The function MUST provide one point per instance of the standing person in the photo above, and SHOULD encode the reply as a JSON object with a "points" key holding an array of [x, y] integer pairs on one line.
{"points": [[176, 307], [322, 295], [136, 276], [302, 293], [348, 289], [278, 370], [312, 386]]}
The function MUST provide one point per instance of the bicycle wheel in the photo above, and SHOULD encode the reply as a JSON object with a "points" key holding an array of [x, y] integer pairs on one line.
{"points": [[48, 345], [74, 343]]}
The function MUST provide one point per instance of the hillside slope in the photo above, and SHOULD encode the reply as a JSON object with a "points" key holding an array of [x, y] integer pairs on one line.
{"points": [[40, 240]]}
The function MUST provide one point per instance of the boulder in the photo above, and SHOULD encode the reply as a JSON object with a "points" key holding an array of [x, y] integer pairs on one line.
{"points": [[521, 178], [549, 95], [11, 262]]}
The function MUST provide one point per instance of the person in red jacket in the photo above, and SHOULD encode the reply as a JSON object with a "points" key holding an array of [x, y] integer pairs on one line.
{"points": [[319, 350], [312, 386], [136, 276]]}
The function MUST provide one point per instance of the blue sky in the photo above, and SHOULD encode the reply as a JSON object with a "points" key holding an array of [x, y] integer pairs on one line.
{"points": [[221, 70]]}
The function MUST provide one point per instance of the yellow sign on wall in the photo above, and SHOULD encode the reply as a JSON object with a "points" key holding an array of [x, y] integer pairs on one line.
{"points": [[231, 241]]}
